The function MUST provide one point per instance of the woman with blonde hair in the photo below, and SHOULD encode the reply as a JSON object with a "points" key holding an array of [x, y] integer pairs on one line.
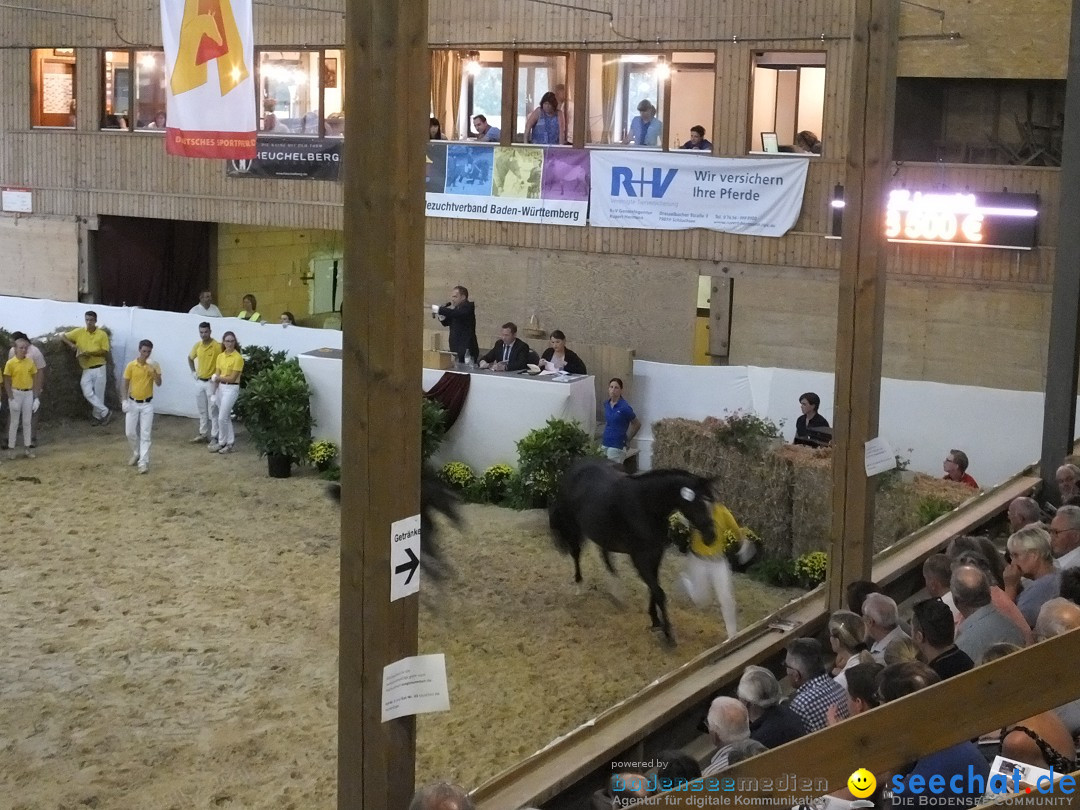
{"points": [[847, 637]]}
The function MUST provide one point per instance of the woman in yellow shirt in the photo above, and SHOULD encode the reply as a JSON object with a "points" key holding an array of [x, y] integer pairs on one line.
{"points": [[249, 312], [230, 365]]}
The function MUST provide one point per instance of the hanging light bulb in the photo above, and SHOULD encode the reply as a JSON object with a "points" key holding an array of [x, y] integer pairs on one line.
{"points": [[663, 69], [472, 63]]}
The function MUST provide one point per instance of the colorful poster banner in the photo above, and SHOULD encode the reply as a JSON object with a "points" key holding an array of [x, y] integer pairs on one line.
{"points": [[677, 191], [282, 158], [507, 184], [210, 90]]}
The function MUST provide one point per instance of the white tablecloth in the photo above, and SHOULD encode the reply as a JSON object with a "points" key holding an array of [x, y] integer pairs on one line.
{"points": [[500, 409]]}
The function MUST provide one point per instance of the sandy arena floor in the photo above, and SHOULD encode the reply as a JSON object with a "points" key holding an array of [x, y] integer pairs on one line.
{"points": [[170, 639]]}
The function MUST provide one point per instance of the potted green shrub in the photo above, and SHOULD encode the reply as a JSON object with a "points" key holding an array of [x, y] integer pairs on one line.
{"points": [[277, 416]]}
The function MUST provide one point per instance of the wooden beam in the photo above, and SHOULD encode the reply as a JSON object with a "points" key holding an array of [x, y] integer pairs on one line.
{"points": [[509, 98], [1063, 355], [581, 92], [986, 698], [383, 294], [861, 310]]}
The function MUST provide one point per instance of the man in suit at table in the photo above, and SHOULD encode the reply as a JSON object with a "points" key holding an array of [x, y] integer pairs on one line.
{"points": [[460, 315], [509, 354]]}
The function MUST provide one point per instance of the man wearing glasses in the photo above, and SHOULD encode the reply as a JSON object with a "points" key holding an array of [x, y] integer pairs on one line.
{"points": [[1065, 536], [815, 691]]}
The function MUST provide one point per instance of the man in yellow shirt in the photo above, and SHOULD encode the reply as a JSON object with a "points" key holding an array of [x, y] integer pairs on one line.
{"points": [[91, 347], [203, 363], [707, 567], [21, 382], [140, 377]]}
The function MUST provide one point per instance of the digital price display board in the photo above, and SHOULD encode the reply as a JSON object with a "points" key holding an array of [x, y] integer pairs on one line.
{"points": [[982, 219]]}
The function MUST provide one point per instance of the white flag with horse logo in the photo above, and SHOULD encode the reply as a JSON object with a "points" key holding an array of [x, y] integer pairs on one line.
{"points": [[210, 85]]}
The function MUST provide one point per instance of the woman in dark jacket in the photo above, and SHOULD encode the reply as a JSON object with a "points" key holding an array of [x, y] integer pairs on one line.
{"points": [[559, 358]]}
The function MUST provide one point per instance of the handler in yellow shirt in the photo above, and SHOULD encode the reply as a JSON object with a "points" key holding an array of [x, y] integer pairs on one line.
{"points": [[707, 565], [140, 377], [203, 363], [230, 365], [91, 347], [22, 384]]}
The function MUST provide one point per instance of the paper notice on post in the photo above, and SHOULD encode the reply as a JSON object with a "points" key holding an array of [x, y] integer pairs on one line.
{"points": [[880, 457], [415, 685]]}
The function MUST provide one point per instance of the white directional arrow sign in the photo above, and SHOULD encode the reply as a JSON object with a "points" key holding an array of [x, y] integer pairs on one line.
{"points": [[404, 557]]}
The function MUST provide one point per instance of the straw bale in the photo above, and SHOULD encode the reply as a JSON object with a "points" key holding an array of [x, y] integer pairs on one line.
{"points": [[62, 397], [784, 492]]}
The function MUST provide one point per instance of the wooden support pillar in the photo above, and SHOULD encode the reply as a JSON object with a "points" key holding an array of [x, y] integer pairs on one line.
{"points": [[861, 311], [1063, 355], [385, 42], [580, 93], [509, 98]]}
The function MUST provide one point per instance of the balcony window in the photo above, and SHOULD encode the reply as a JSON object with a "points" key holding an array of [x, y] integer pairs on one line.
{"points": [[788, 96], [52, 83]]}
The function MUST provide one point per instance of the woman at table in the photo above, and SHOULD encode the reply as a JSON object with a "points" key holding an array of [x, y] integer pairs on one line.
{"points": [[620, 422], [557, 357]]}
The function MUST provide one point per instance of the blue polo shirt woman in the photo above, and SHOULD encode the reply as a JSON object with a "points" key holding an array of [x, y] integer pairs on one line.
{"points": [[620, 422]]}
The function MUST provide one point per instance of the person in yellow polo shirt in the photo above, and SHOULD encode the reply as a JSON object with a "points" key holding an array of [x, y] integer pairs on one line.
{"points": [[707, 565], [140, 377], [203, 363], [249, 312], [91, 347], [22, 384], [230, 365]]}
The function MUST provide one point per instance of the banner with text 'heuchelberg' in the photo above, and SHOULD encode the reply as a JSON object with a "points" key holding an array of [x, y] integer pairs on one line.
{"points": [[210, 68], [507, 184], [676, 191]]}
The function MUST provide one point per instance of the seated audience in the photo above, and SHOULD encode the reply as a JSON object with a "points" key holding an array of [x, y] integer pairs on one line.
{"points": [[728, 723], [158, 122], [900, 650], [1022, 511], [697, 139], [983, 554], [807, 141], [744, 749], [934, 632], [861, 691], [674, 768], [955, 466], [847, 637], [484, 131], [882, 624], [936, 571], [435, 132], [1065, 536], [1041, 740], [1056, 617], [287, 319], [250, 311], [510, 353], [983, 625], [857, 591], [335, 125], [901, 680], [441, 796], [771, 723], [1069, 587], [1031, 558], [557, 357], [1068, 482], [811, 428], [815, 691]]}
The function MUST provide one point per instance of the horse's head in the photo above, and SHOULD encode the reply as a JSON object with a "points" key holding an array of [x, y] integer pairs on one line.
{"points": [[695, 502]]}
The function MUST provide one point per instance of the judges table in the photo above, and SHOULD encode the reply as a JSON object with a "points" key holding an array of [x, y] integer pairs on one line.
{"points": [[500, 409]]}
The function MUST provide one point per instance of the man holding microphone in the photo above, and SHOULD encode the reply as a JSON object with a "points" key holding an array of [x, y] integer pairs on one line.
{"points": [[140, 377]]}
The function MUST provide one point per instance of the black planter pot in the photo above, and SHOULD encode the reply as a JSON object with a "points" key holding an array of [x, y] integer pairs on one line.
{"points": [[279, 466]]}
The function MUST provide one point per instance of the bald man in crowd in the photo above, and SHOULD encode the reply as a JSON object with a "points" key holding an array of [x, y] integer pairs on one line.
{"points": [[441, 796], [983, 625]]}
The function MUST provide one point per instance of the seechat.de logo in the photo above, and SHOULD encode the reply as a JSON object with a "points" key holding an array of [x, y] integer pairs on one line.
{"points": [[648, 182]]}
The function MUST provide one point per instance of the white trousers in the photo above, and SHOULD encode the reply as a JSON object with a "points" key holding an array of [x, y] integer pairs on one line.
{"points": [[703, 573], [208, 409], [137, 424], [226, 396], [616, 454], [93, 388], [21, 408]]}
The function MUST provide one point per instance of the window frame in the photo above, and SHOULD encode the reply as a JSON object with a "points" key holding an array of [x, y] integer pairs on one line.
{"points": [[321, 95], [470, 100], [132, 114], [37, 86]]}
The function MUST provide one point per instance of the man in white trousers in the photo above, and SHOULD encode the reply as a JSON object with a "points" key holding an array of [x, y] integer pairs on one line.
{"points": [[140, 377], [202, 361], [22, 384], [708, 573], [91, 347]]}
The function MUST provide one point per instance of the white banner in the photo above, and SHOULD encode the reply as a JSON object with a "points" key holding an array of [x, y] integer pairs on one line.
{"points": [[210, 69], [676, 191], [542, 212]]}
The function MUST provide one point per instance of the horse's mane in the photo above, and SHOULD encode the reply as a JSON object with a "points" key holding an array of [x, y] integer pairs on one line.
{"points": [[668, 473]]}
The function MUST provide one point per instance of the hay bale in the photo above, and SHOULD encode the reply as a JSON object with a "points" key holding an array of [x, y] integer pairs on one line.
{"points": [[784, 492], [63, 397]]}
